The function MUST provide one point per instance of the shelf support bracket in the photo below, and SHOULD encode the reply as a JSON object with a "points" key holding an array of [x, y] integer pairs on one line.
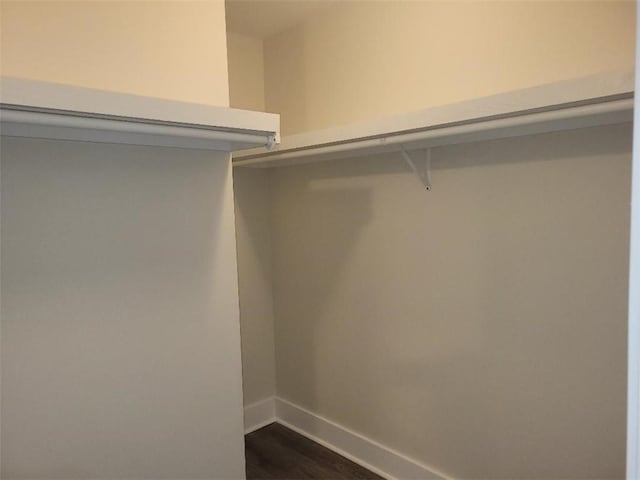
{"points": [[425, 175]]}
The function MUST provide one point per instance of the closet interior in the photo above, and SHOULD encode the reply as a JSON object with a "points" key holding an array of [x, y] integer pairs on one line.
{"points": [[399, 229]]}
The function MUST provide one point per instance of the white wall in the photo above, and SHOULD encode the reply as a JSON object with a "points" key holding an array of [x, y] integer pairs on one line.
{"points": [[362, 59], [120, 334], [253, 230], [169, 49], [479, 328]]}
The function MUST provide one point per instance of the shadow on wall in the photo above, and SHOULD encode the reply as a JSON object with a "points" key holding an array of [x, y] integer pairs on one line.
{"points": [[286, 93], [478, 328], [338, 219], [118, 313], [253, 238], [531, 148], [253, 198]]}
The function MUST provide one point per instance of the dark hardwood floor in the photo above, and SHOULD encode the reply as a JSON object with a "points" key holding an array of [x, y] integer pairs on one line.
{"points": [[275, 452]]}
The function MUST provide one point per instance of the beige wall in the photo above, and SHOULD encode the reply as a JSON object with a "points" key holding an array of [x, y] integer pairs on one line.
{"points": [[479, 328], [172, 49], [361, 59], [246, 71], [253, 230], [120, 333]]}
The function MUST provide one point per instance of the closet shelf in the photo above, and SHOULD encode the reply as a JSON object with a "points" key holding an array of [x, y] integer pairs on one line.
{"points": [[37, 109], [602, 99]]}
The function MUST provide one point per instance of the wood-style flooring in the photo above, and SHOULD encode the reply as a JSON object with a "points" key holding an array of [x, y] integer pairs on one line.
{"points": [[276, 452]]}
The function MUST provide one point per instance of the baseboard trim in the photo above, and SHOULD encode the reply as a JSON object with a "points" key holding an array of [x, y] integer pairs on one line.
{"points": [[366, 452], [259, 414]]}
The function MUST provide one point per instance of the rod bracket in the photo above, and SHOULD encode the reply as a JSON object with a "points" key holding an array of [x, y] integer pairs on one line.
{"points": [[423, 174], [272, 141]]}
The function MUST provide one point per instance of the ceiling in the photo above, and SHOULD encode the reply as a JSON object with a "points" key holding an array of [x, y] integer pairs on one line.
{"points": [[263, 18]]}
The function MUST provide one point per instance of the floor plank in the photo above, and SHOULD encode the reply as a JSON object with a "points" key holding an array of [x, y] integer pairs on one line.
{"points": [[278, 453]]}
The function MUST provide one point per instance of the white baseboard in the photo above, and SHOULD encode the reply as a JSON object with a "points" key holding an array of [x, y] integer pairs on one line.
{"points": [[366, 452], [259, 414], [357, 448]]}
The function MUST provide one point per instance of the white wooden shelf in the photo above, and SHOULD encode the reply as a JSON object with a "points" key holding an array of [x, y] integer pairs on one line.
{"points": [[584, 102], [37, 109]]}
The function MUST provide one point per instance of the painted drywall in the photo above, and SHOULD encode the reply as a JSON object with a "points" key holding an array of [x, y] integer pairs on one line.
{"points": [[120, 333], [358, 60], [253, 230], [169, 49], [246, 71], [262, 19], [120, 321], [479, 328]]}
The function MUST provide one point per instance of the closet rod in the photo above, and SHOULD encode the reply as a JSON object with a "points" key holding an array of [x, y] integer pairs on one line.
{"points": [[561, 117], [11, 118]]}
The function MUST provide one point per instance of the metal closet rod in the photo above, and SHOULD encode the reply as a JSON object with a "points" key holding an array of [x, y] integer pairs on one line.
{"points": [[14, 118], [524, 123]]}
